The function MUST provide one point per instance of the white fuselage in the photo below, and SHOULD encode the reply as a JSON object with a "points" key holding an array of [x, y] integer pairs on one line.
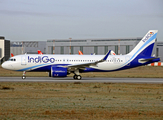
{"points": [[30, 62]]}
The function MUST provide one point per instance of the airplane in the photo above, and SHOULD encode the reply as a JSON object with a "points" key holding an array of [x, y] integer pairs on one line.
{"points": [[39, 52], [112, 52], [80, 52], [62, 65], [12, 55]]}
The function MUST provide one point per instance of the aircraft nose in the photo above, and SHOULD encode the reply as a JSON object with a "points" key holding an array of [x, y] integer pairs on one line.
{"points": [[4, 65], [7, 65]]}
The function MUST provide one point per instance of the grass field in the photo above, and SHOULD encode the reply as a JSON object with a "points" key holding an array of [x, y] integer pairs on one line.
{"points": [[141, 72], [80, 101], [83, 101]]}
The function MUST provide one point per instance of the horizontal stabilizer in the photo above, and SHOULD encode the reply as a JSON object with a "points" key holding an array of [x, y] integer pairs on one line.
{"points": [[144, 60]]}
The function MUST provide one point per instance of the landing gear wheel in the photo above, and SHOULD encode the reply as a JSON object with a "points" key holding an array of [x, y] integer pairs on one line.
{"points": [[75, 76], [78, 77], [23, 77]]}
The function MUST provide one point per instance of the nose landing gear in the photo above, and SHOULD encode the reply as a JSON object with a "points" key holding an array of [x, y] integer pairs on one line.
{"points": [[24, 77]]}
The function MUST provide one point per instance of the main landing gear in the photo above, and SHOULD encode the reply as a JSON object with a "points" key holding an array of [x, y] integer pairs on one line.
{"points": [[24, 77], [77, 77]]}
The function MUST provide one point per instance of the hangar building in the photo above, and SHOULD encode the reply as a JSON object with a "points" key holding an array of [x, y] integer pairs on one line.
{"points": [[159, 50], [89, 46], [29, 47], [4, 49], [98, 46]]}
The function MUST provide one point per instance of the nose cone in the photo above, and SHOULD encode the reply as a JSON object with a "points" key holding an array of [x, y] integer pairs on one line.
{"points": [[6, 65]]}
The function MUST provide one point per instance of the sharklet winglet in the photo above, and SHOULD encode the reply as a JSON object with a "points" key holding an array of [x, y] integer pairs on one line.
{"points": [[106, 56]]}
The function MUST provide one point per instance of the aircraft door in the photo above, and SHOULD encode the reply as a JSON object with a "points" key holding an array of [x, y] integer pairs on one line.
{"points": [[23, 60]]}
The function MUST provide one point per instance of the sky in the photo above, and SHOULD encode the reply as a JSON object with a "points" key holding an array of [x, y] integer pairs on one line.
{"points": [[23, 20]]}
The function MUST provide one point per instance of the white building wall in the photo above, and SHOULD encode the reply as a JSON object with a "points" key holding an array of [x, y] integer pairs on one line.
{"points": [[2, 47], [0, 53]]}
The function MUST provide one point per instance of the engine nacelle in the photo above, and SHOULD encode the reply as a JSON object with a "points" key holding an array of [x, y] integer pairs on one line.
{"points": [[58, 72]]}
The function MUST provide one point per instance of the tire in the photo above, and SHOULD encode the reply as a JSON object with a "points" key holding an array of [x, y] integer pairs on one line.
{"points": [[79, 77], [75, 76], [23, 77]]}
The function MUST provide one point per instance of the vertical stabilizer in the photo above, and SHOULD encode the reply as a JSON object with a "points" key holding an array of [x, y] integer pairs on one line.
{"points": [[145, 46]]}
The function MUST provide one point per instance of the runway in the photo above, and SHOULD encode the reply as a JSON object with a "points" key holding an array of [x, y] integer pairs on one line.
{"points": [[83, 80]]}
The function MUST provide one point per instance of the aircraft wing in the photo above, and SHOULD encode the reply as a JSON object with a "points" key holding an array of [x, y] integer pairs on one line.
{"points": [[84, 65]]}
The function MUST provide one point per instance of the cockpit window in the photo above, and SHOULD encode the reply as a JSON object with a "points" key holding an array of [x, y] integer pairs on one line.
{"points": [[12, 59]]}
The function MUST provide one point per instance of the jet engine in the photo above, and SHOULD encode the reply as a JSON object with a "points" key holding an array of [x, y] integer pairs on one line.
{"points": [[58, 72]]}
